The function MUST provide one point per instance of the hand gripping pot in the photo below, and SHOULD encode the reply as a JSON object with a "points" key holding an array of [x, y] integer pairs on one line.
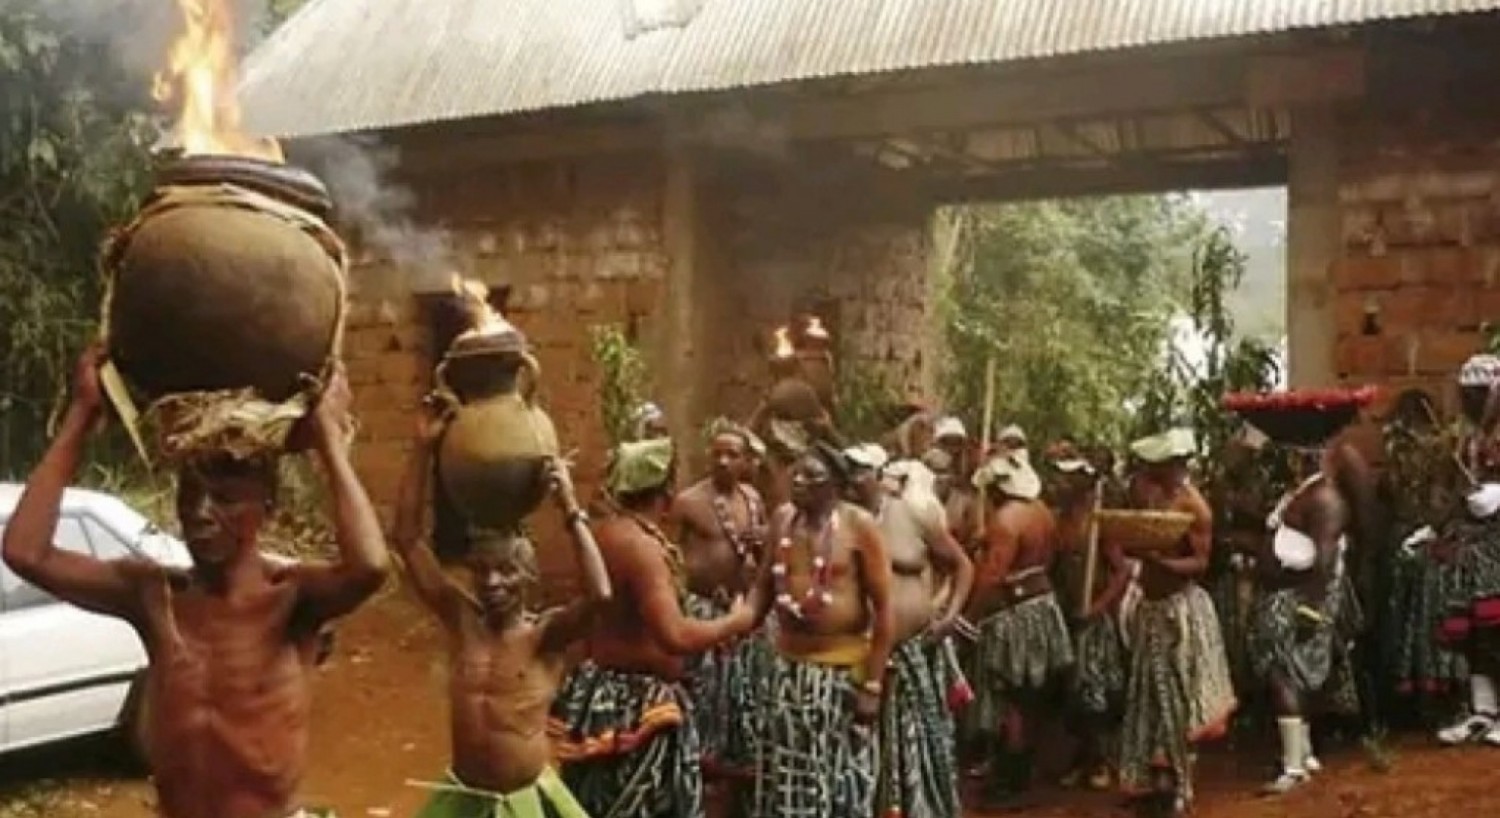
{"points": [[493, 455], [226, 301]]}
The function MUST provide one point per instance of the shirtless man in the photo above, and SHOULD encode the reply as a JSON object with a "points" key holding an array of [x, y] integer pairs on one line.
{"points": [[1174, 633], [1098, 683], [829, 577], [505, 666], [1023, 642], [1304, 623], [722, 524], [622, 725], [926, 563], [232, 640]]}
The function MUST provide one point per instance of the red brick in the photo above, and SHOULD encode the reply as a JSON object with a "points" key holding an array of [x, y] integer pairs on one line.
{"points": [[1447, 266], [1361, 356], [1367, 273], [1349, 312], [1444, 352]]}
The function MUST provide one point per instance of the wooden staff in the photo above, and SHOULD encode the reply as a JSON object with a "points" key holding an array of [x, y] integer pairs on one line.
{"points": [[986, 432], [1091, 554]]}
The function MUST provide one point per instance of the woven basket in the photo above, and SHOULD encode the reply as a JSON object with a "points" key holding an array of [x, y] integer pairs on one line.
{"points": [[1143, 531]]}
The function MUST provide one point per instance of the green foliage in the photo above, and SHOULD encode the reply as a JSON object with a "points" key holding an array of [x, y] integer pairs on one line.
{"points": [[72, 163], [1072, 300], [1191, 393], [622, 381]]}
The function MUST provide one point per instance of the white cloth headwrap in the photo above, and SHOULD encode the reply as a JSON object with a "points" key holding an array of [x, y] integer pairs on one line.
{"points": [[1480, 370], [1484, 501]]}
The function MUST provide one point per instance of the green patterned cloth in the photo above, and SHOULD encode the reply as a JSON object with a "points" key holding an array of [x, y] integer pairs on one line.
{"points": [[815, 762], [1099, 672], [640, 465], [725, 683], [547, 798], [1179, 691], [628, 745], [1316, 656], [1021, 648], [919, 732]]}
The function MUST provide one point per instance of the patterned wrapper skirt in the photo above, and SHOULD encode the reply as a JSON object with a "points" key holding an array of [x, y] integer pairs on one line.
{"points": [[1021, 648], [547, 798], [1420, 663], [920, 777], [1471, 618], [726, 683], [815, 761], [1099, 675], [1179, 690], [1316, 657], [627, 744]]}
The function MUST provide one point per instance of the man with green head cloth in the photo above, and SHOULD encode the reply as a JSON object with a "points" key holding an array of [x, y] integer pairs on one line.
{"points": [[623, 724]]}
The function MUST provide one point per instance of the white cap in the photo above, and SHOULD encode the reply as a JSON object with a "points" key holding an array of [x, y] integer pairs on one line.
{"points": [[1011, 432], [950, 426], [869, 455]]}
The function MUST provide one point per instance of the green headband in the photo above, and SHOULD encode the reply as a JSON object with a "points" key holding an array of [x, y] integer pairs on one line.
{"points": [[640, 465]]}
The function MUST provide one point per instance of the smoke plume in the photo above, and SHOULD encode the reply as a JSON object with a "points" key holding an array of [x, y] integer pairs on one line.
{"points": [[380, 214]]}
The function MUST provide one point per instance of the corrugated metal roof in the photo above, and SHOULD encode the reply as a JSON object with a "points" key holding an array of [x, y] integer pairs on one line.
{"points": [[349, 65]]}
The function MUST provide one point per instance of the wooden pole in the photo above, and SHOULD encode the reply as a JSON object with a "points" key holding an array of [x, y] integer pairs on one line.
{"points": [[1091, 555], [986, 432]]}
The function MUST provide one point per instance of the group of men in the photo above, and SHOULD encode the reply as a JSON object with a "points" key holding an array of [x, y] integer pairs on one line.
{"points": [[799, 660]]}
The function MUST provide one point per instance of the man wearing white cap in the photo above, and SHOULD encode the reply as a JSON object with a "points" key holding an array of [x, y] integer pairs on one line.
{"points": [[1179, 691], [1471, 621], [1023, 641], [918, 757]]}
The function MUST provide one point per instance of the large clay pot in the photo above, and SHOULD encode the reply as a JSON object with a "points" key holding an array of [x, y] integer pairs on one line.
{"points": [[493, 454], [228, 278]]}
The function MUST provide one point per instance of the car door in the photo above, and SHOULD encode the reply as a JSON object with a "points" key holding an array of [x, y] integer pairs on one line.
{"points": [[68, 671]]}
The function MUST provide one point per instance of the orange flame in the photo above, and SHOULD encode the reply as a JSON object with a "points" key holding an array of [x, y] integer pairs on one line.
{"points": [[201, 76], [783, 343], [483, 318]]}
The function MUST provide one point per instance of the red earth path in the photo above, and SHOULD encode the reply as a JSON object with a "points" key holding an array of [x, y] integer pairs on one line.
{"points": [[380, 722]]}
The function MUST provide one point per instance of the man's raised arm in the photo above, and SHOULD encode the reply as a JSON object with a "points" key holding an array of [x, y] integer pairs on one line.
{"points": [[420, 564], [96, 585], [330, 590]]}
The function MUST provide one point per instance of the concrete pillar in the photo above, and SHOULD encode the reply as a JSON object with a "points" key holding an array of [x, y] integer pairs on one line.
{"points": [[1314, 243], [678, 349]]}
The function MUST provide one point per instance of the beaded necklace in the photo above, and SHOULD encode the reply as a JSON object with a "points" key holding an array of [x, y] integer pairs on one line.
{"points": [[746, 544], [817, 596]]}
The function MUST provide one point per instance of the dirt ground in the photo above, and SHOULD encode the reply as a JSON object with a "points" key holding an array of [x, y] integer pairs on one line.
{"points": [[380, 724]]}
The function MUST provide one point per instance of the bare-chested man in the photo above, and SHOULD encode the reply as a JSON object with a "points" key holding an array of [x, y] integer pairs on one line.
{"points": [[232, 641], [828, 577], [622, 726], [505, 666], [1098, 684], [926, 564], [723, 523], [1023, 643], [1179, 691], [1304, 623]]}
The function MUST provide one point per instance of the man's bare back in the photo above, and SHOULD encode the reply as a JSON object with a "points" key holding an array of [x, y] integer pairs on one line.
{"points": [[1020, 541]]}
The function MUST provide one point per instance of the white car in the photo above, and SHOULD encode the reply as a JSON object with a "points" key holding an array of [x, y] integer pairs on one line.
{"points": [[65, 672]]}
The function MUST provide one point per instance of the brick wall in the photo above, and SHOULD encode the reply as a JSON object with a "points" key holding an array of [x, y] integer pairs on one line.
{"points": [[590, 241], [1419, 274]]}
